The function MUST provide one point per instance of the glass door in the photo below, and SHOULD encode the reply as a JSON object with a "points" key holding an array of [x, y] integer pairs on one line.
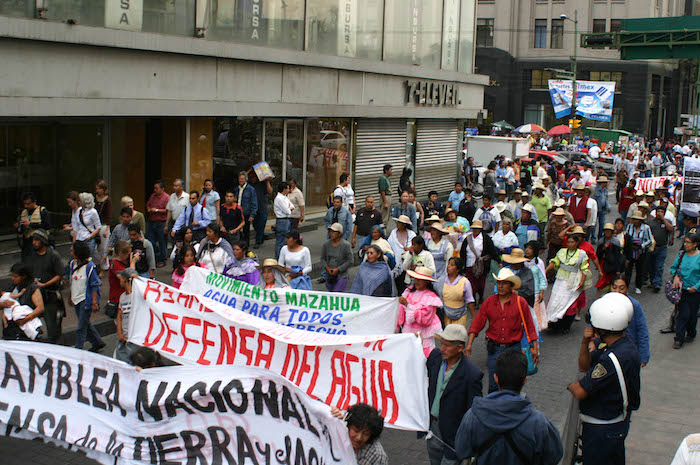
{"points": [[294, 149]]}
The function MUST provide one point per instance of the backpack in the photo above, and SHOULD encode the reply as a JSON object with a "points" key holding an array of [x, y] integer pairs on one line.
{"points": [[488, 220], [329, 200]]}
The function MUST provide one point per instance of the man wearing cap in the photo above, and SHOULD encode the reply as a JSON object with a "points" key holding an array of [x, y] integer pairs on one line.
{"points": [[527, 228], [365, 219], [579, 206], [542, 205], [641, 236], [609, 390], [47, 269], [453, 384], [662, 231], [506, 313], [601, 198], [336, 259]]}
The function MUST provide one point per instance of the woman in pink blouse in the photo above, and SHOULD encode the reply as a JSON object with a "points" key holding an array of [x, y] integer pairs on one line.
{"points": [[418, 308], [188, 258]]}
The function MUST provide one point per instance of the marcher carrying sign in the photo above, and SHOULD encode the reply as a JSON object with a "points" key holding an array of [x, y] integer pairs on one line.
{"points": [[118, 415], [320, 312], [387, 372]]}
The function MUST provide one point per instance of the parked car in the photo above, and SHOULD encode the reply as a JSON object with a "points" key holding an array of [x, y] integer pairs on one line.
{"points": [[578, 157], [547, 155]]}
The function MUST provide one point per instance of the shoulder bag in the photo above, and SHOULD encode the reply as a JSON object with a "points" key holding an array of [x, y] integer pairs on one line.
{"points": [[526, 343], [673, 294]]}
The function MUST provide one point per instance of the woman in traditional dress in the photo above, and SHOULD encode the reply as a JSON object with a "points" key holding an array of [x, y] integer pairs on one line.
{"points": [[476, 253], [374, 276], [418, 307], [242, 266], [272, 275], [378, 238], [441, 248], [505, 239], [456, 293]]}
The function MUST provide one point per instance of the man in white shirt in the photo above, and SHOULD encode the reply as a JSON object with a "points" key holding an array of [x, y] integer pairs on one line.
{"points": [[283, 211], [586, 174], [685, 150], [592, 219], [179, 200], [296, 196], [345, 192], [489, 216], [594, 152]]}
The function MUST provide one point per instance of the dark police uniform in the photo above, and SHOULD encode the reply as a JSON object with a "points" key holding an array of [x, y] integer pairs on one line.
{"points": [[605, 419]]}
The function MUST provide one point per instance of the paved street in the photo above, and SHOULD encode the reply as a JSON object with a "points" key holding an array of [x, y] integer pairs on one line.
{"points": [[668, 411]]}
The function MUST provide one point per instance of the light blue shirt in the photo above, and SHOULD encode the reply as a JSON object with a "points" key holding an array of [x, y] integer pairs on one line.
{"points": [[456, 199], [211, 197], [201, 216]]}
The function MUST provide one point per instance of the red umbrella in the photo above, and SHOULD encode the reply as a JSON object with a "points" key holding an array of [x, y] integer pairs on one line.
{"points": [[559, 130]]}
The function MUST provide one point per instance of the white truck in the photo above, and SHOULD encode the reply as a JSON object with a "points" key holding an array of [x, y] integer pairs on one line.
{"points": [[485, 148]]}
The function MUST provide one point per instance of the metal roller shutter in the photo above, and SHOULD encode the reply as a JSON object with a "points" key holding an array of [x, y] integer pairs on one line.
{"points": [[436, 156], [377, 142]]}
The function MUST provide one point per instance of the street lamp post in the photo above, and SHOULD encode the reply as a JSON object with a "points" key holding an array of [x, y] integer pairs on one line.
{"points": [[574, 60]]}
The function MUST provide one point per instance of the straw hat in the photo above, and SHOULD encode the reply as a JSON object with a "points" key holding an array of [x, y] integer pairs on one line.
{"points": [[539, 185], [525, 194], [518, 191], [649, 194], [602, 179], [529, 208], [560, 203], [516, 256], [272, 263], [559, 212], [639, 193], [407, 221], [450, 210], [437, 227], [506, 274], [501, 192], [500, 206], [608, 227], [643, 204], [579, 187], [421, 272], [577, 230], [637, 216], [477, 224], [431, 219]]}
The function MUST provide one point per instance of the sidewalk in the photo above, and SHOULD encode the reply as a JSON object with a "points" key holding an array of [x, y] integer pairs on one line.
{"points": [[670, 400]]}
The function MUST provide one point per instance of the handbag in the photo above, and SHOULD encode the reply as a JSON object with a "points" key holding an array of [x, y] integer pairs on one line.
{"points": [[673, 294], [478, 269], [97, 238], [526, 344]]}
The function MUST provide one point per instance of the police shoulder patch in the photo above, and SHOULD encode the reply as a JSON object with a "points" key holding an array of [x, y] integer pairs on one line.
{"points": [[599, 371]]}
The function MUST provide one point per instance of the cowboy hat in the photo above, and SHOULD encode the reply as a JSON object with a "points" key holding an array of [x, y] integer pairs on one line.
{"points": [[560, 203], [450, 210], [272, 263], [525, 194], [421, 272], [518, 191], [529, 208], [506, 274], [500, 206], [433, 218], [437, 227], [559, 212], [637, 216], [477, 224], [453, 333], [602, 179], [407, 221], [579, 186], [539, 185], [577, 230], [639, 193], [501, 192], [516, 256], [608, 226], [649, 194], [643, 204]]}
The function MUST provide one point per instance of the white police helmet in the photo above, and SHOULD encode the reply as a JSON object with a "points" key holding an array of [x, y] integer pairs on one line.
{"points": [[611, 312]]}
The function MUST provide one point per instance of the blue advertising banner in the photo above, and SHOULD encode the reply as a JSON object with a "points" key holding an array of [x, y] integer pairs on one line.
{"points": [[594, 99]]}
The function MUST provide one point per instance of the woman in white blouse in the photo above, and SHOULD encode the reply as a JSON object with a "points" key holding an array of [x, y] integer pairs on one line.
{"points": [[85, 221], [294, 254], [214, 250]]}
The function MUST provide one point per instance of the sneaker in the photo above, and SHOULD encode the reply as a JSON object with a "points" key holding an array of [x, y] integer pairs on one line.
{"points": [[667, 330], [577, 318], [677, 345], [637, 290], [98, 347]]}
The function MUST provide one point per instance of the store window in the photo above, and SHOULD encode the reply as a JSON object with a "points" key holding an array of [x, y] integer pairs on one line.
{"points": [[484, 32], [533, 114], [557, 39], [413, 32], [328, 156], [539, 79], [272, 24], [48, 159], [540, 33], [615, 25], [237, 147], [349, 28]]}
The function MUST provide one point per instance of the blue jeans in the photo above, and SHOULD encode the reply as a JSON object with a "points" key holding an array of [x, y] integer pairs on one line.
{"points": [[85, 329], [491, 362], [159, 240], [601, 223], [623, 215], [282, 228], [687, 319], [259, 225], [656, 266]]}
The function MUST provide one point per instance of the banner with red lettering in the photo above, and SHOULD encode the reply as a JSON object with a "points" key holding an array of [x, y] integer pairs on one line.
{"points": [[319, 312], [387, 372], [118, 415], [647, 184]]}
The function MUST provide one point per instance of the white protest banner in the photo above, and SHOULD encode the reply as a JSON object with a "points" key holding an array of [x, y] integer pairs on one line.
{"points": [[387, 372], [320, 312], [169, 415], [647, 184]]}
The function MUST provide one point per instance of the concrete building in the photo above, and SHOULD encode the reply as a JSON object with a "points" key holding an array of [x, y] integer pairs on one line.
{"points": [[137, 90], [517, 41]]}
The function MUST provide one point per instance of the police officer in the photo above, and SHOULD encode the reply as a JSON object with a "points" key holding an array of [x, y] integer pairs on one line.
{"points": [[609, 390]]}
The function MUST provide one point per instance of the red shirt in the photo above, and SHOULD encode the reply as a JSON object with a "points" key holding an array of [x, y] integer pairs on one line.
{"points": [[159, 202], [115, 289], [626, 199], [505, 323]]}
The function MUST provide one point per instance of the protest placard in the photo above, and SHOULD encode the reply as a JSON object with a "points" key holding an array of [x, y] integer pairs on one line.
{"points": [[169, 415], [691, 186], [387, 372], [321, 312]]}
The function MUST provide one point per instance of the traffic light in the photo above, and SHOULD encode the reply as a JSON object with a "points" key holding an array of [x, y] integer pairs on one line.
{"points": [[574, 123]]}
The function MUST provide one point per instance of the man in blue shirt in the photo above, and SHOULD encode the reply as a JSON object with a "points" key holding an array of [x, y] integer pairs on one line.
{"points": [[405, 208], [194, 216], [601, 197], [455, 197]]}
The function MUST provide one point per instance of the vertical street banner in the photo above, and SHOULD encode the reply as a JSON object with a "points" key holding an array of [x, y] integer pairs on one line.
{"points": [[594, 99], [319, 312], [347, 28], [118, 415], [690, 202], [450, 34], [415, 10], [124, 14], [387, 372]]}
